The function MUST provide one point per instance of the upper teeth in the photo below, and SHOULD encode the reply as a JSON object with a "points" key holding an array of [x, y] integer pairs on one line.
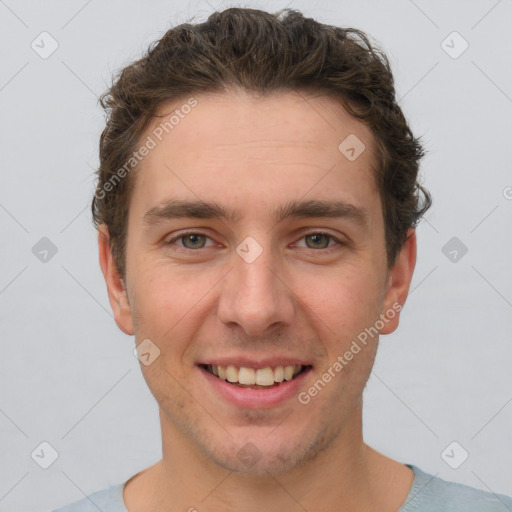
{"points": [[261, 376]]}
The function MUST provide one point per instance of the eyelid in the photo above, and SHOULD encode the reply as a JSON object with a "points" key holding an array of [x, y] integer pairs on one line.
{"points": [[303, 234], [332, 237], [185, 233]]}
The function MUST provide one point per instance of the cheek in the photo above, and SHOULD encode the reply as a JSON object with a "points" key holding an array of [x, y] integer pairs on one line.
{"points": [[158, 306], [170, 306], [345, 301]]}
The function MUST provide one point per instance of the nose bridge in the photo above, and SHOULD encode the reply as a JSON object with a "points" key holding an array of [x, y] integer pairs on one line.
{"points": [[254, 297]]}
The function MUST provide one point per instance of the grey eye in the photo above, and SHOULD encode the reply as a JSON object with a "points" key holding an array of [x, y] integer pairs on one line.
{"points": [[197, 241], [317, 240]]}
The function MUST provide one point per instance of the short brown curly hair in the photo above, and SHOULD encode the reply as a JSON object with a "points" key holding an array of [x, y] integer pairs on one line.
{"points": [[262, 53]]}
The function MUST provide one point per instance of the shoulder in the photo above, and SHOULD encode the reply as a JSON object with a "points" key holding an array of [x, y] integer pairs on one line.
{"points": [[430, 493], [106, 500]]}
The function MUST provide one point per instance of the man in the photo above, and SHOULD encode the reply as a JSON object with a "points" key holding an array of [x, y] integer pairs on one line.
{"points": [[256, 204]]}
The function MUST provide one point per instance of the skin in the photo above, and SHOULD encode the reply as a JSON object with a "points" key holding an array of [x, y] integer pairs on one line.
{"points": [[297, 298]]}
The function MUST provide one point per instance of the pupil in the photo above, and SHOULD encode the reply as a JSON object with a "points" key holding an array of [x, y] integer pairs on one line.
{"points": [[194, 239], [316, 237]]}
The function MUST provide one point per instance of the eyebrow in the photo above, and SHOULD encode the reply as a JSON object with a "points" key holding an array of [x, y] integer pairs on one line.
{"points": [[176, 208]]}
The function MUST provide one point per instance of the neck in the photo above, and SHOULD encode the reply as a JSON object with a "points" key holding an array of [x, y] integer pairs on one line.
{"points": [[347, 476]]}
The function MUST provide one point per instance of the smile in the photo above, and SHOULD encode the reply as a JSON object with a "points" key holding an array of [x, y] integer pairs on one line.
{"points": [[255, 378], [253, 383]]}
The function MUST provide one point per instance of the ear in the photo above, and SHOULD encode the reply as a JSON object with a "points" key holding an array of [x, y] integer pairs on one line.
{"points": [[398, 282], [117, 294]]}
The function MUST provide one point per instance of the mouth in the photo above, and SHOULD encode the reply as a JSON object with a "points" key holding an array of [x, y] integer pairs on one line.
{"points": [[246, 377]]}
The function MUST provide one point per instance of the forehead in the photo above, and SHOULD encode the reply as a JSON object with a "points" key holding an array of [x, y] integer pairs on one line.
{"points": [[237, 117], [273, 148]]}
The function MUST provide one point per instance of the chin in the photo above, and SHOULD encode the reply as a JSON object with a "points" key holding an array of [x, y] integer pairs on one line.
{"points": [[251, 460], [264, 454]]}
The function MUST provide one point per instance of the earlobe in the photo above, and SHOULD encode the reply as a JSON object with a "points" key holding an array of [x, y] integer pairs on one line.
{"points": [[117, 292], [399, 281]]}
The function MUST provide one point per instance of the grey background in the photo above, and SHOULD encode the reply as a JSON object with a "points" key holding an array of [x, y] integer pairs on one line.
{"points": [[68, 375]]}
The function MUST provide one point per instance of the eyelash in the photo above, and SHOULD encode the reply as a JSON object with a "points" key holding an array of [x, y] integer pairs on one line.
{"points": [[327, 249]]}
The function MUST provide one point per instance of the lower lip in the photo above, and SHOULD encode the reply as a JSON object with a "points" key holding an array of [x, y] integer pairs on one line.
{"points": [[256, 398]]}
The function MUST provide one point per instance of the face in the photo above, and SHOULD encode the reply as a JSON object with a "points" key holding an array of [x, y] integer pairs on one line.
{"points": [[281, 262]]}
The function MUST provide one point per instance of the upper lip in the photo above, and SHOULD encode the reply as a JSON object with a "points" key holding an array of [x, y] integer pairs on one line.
{"points": [[253, 362]]}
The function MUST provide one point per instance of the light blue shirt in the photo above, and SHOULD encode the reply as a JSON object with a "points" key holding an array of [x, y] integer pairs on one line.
{"points": [[427, 494]]}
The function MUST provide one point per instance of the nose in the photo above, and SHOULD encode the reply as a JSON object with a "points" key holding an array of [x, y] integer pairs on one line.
{"points": [[255, 296]]}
